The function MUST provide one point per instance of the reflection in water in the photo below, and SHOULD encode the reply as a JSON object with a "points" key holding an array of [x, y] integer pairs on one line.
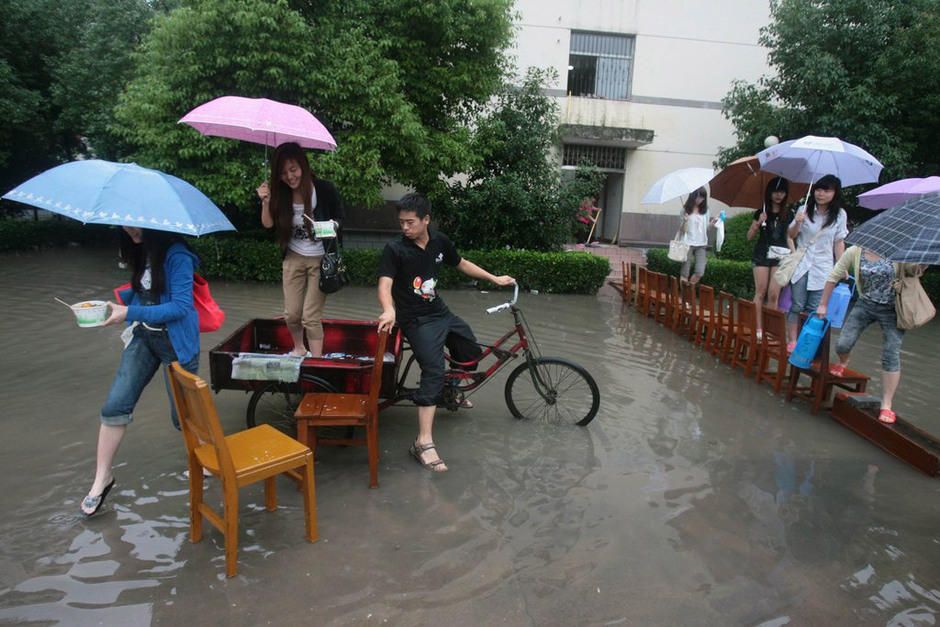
{"points": [[695, 497]]}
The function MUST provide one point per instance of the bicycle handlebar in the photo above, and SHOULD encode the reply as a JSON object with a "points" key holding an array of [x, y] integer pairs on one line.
{"points": [[508, 304]]}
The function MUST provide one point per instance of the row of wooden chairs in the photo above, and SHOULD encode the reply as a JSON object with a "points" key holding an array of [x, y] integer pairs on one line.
{"points": [[725, 326]]}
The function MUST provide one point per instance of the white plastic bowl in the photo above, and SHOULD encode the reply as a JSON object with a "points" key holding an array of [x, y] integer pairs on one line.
{"points": [[90, 313]]}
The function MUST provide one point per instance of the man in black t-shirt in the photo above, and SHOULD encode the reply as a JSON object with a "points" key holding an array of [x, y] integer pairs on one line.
{"points": [[408, 274]]}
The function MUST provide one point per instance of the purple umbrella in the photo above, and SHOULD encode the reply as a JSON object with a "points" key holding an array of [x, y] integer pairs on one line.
{"points": [[260, 121], [892, 194]]}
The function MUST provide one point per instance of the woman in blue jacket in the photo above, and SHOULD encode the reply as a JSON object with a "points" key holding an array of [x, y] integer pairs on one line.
{"points": [[164, 327]]}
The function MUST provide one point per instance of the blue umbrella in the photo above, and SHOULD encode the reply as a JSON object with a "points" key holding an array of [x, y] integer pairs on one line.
{"points": [[123, 194]]}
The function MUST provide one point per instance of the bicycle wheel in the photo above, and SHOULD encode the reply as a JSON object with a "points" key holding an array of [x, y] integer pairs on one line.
{"points": [[275, 403], [569, 396]]}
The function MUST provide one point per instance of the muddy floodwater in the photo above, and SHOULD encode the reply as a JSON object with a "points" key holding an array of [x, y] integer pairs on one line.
{"points": [[694, 498]]}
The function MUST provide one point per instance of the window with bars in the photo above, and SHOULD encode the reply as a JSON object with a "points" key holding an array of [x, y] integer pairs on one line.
{"points": [[604, 157], [600, 66]]}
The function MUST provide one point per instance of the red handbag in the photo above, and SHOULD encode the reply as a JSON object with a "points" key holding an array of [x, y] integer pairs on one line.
{"points": [[211, 315]]}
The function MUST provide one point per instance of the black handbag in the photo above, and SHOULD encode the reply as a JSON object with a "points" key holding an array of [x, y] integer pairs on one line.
{"points": [[333, 274]]}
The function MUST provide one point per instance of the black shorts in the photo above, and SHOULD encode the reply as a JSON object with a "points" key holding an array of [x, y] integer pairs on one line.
{"points": [[764, 263]]}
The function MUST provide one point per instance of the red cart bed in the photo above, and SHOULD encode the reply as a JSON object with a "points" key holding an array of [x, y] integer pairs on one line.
{"points": [[355, 339]]}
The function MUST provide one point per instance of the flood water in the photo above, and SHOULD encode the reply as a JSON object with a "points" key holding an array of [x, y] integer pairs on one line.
{"points": [[694, 498]]}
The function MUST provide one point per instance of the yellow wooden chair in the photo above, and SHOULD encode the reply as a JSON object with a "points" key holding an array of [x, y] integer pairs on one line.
{"points": [[237, 460]]}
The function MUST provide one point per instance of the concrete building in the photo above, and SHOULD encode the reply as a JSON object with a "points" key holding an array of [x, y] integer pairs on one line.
{"points": [[641, 84]]}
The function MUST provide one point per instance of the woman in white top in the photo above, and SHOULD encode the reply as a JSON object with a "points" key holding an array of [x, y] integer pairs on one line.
{"points": [[824, 219], [694, 231], [293, 200]]}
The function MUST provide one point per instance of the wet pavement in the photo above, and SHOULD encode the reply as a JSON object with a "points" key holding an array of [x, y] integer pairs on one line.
{"points": [[695, 497]]}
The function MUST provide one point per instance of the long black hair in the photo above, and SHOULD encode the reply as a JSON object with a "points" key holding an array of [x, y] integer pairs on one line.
{"points": [[690, 201], [151, 250], [778, 184], [830, 181], [282, 203]]}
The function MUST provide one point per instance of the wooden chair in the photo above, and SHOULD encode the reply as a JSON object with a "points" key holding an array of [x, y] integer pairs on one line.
{"points": [[321, 409], [237, 460], [625, 282], [821, 382], [665, 301], [707, 318], [672, 304], [686, 317], [642, 290], [655, 298], [724, 329], [773, 346], [745, 340], [632, 280]]}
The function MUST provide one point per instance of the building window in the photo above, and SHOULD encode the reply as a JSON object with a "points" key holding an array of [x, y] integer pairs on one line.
{"points": [[600, 66], [603, 157]]}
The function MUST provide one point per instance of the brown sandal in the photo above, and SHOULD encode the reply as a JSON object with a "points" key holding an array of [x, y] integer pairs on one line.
{"points": [[416, 452]]}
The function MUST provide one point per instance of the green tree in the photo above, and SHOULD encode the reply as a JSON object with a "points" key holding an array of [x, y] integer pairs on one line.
{"points": [[33, 34], [352, 64], [513, 195], [861, 70], [90, 75]]}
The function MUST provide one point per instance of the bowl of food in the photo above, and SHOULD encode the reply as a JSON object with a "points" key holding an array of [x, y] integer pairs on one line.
{"points": [[90, 313]]}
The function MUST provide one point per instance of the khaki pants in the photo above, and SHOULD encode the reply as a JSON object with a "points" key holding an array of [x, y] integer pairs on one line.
{"points": [[303, 300]]}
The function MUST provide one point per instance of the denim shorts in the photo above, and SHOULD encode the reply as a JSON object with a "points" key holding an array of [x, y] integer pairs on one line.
{"points": [[801, 299], [147, 351], [865, 313]]}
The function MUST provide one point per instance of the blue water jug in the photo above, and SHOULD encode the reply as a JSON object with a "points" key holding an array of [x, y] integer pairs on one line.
{"points": [[814, 329], [839, 303]]}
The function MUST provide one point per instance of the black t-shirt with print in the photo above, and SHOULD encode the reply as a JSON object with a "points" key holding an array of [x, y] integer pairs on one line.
{"points": [[414, 273], [772, 233]]}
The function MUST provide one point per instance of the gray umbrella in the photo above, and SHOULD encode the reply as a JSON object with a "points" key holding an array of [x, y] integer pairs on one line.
{"points": [[906, 233]]}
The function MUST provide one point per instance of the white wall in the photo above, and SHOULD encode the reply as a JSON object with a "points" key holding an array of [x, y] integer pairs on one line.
{"points": [[687, 54]]}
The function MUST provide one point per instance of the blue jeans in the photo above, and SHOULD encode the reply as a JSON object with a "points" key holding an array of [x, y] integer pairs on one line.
{"points": [[147, 351], [863, 314], [801, 299]]}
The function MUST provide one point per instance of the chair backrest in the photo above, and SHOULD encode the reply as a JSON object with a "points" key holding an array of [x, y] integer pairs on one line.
{"points": [[725, 309], [687, 291], [747, 315], [198, 417], [642, 278], [774, 324], [375, 382], [706, 299], [662, 284]]}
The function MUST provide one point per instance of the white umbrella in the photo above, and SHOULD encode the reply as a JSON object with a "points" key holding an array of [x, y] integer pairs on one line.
{"points": [[678, 183], [807, 159]]}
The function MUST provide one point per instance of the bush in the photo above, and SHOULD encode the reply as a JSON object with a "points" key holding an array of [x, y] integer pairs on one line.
{"points": [[230, 257], [736, 247], [28, 234]]}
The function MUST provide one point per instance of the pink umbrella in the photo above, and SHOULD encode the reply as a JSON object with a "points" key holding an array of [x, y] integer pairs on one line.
{"points": [[897, 192], [260, 121]]}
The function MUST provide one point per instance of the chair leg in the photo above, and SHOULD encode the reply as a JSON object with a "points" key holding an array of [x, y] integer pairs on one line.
{"points": [[372, 441], [270, 494], [310, 500], [781, 374], [195, 502], [231, 534]]}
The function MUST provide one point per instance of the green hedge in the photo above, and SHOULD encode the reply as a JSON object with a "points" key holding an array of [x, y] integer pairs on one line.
{"points": [[736, 246], [28, 234], [737, 277], [231, 257]]}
